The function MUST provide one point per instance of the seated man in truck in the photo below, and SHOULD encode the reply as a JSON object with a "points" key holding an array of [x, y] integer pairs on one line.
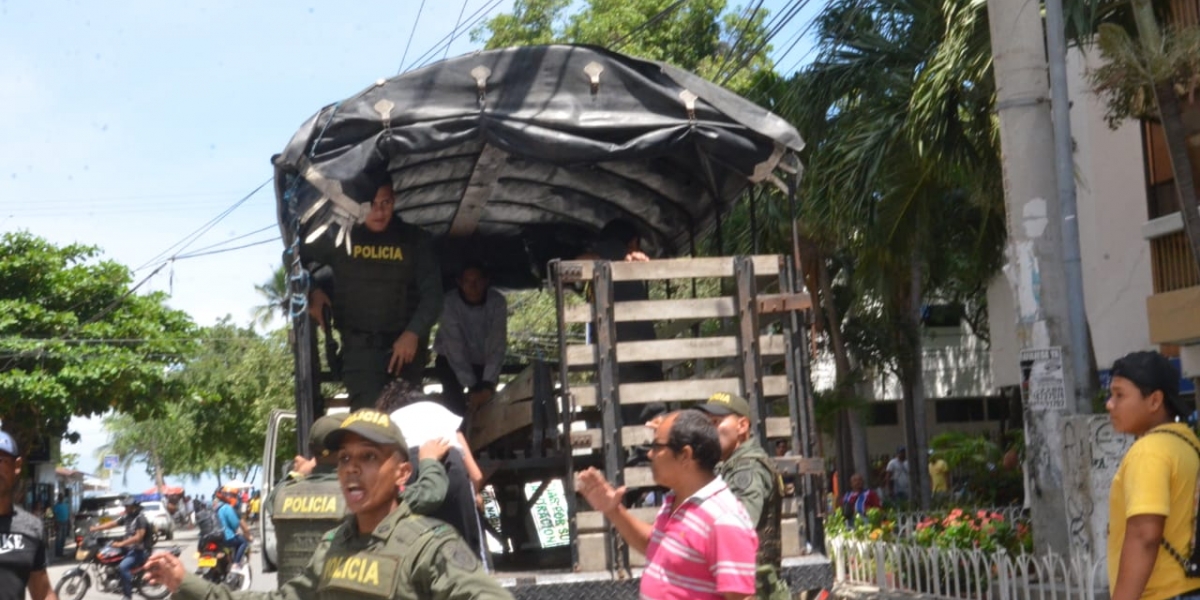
{"points": [[471, 342], [444, 490], [382, 550], [385, 296]]}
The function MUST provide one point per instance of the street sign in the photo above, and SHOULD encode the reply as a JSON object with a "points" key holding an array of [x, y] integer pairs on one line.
{"points": [[1042, 382], [111, 461]]}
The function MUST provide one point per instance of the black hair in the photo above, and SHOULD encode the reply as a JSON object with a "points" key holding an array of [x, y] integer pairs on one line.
{"points": [[693, 428], [620, 230], [474, 264], [1150, 372], [400, 393]]}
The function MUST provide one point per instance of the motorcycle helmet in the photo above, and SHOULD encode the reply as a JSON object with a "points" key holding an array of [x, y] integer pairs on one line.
{"points": [[131, 502]]}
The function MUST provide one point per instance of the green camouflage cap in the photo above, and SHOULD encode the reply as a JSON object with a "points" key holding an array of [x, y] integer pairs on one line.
{"points": [[321, 428], [371, 425], [721, 404]]}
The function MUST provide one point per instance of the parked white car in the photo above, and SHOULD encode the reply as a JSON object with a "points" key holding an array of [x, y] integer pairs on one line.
{"points": [[157, 513]]}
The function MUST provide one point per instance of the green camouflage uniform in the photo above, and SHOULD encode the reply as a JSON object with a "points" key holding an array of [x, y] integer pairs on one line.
{"points": [[304, 508], [406, 557], [752, 477], [388, 283]]}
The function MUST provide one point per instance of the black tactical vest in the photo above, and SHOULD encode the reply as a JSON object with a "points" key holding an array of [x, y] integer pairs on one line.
{"points": [[374, 281], [302, 512]]}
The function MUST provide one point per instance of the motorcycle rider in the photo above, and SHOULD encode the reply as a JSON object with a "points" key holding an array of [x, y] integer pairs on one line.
{"points": [[137, 540], [231, 523]]}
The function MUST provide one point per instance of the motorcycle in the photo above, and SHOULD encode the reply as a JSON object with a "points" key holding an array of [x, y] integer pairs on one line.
{"points": [[101, 567], [215, 563]]}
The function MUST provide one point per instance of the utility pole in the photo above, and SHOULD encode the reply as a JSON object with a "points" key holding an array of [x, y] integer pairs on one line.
{"points": [[1064, 161], [1034, 257]]}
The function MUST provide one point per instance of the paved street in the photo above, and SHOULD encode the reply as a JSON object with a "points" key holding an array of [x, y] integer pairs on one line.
{"points": [[185, 540]]}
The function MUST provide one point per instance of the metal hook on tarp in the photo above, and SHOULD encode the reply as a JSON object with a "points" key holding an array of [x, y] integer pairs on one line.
{"points": [[481, 74]]}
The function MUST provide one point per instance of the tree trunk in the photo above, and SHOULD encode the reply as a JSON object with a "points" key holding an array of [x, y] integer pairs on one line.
{"points": [[849, 421], [1170, 111], [913, 384]]}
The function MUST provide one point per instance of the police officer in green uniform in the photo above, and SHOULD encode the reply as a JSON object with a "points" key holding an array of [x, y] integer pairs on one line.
{"points": [[381, 551], [752, 477], [387, 295], [307, 504], [309, 501]]}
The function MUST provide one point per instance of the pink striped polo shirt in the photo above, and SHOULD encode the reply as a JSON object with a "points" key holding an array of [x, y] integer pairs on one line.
{"points": [[704, 549]]}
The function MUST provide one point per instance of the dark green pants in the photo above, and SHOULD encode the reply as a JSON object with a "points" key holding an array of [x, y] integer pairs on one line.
{"points": [[365, 360], [769, 585]]}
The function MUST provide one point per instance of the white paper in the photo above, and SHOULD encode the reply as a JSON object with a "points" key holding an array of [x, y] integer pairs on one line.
{"points": [[424, 421]]}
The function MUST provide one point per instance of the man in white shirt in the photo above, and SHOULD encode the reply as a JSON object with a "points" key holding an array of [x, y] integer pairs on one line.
{"points": [[897, 476], [472, 339]]}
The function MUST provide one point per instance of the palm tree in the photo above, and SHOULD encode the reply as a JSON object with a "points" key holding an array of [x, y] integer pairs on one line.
{"points": [[903, 172], [277, 296], [1154, 74]]}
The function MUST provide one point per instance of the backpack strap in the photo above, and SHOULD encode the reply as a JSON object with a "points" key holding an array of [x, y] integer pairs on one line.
{"points": [[1191, 567]]}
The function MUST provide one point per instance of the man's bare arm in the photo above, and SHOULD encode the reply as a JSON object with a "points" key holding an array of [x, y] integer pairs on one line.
{"points": [[39, 586]]}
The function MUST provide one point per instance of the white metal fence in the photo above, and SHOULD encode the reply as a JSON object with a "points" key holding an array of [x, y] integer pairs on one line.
{"points": [[965, 574]]}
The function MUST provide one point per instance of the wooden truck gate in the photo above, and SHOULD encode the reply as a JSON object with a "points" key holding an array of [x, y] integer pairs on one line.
{"points": [[759, 352]]}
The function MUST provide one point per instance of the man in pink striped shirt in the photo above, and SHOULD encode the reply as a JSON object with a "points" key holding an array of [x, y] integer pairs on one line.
{"points": [[702, 544]]}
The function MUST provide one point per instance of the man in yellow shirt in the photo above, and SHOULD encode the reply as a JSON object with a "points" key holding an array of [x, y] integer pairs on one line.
{"points": [[1151, 506], [939, 476], [255, 506]]}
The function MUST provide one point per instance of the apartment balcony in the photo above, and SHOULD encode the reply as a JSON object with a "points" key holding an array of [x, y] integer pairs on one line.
{"points": [[1174, 308]]}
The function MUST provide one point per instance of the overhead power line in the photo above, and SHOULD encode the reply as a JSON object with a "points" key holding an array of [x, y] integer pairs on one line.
{"points": [[191, 238], [224, 250], [448, 39], [662, 14], [411, 34]]}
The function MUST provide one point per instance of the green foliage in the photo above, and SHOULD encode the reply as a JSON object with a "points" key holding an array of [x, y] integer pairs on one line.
{"points": [[217, 424], [234, 382], [1132, 67], [877, 525], [275, 294], [77, 340], [697, 36], [961, 528], [978, 529], [978, 464]]}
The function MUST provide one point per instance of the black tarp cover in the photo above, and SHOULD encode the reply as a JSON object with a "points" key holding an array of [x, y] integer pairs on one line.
{"points": [[520, 155]]}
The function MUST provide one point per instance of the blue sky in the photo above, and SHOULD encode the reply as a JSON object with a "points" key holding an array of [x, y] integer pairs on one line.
{"points": [[128, 125]]}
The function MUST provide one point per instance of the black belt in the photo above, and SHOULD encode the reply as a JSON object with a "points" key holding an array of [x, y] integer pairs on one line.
{"points": [[371, 338]]}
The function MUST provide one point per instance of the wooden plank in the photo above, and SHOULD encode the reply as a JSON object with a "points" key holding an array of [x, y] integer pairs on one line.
{"points": [[680, 391], [591, 552], [769, 304], [799, 465], [670, 268], [637, 435], [519, 388], [589, 521], [789, 534], [639, 477], [660, 310], [580, 355], [631, 435], [495, 420], [779, 427]]}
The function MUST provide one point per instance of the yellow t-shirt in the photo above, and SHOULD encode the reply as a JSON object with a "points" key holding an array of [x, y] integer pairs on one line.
{"points": [[1156, 477], [939, 476], [254, 505]]}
